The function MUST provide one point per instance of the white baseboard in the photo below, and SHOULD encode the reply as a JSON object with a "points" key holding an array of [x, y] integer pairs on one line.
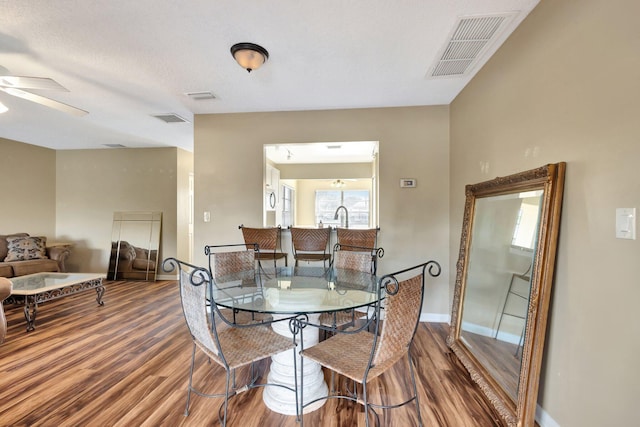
{"points": [[435, 317], [544, 419]]}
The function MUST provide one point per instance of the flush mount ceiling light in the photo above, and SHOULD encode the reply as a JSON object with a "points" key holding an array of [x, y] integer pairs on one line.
{"points": [[250, 56], [338, 183]]}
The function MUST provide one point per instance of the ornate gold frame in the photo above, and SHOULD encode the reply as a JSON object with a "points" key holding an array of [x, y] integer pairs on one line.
{"points": [[550, 178]]}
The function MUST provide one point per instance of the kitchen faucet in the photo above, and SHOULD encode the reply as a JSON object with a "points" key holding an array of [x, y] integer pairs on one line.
{"points": [[346, 215]]}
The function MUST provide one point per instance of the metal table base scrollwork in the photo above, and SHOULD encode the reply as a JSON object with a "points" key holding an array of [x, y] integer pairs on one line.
{"points": [[33, 289]]}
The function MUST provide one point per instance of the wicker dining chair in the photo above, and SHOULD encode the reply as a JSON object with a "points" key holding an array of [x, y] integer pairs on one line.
{"points": [[357, 238], [268, 240], [230, 260], [352, 258], [232, 346], [363, 356], [310, 244]]}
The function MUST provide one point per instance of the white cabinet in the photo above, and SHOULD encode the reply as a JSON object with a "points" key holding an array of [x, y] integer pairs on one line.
{"points": [[272, 188]]}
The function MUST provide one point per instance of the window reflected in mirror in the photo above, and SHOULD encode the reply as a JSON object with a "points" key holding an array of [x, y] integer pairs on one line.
{"points": [[524, 233]]}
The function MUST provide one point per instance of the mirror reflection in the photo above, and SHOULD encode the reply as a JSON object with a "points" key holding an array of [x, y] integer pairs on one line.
{"points": [[499, 281], [503, 286], [135, 243]]}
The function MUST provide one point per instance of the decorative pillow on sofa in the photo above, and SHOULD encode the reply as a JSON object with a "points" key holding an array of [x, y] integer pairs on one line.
{"points": [[24, 248]]}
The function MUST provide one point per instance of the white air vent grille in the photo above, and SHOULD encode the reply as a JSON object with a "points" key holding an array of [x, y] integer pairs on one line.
{"points": [[114, 145], [170, 118], [469, 39], [200, 96]]}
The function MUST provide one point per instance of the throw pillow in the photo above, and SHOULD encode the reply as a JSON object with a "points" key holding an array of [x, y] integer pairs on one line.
{"points": [[24, 248]]}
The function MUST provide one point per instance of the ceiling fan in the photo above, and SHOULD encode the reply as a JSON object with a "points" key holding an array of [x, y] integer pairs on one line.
{"points": [[15, 85]]}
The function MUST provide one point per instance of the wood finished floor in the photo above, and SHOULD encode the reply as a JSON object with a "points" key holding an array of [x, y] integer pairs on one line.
{"points": [[502, 359], [126, 364]]}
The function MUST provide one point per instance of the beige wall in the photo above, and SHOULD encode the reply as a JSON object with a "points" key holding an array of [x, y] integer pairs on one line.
{"points": [[92, 184], [228, 153], [565, 87], [183, 204], [28, 189], [320, 171]]}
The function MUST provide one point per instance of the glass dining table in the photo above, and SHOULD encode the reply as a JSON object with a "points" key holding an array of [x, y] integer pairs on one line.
{"points": [[285, 292]]}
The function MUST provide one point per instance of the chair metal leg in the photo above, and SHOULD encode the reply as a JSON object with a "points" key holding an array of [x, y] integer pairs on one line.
{"points": [[301, 404], [295, 382], [415, 388], [366, 403], [193, 361], [226, 399]]}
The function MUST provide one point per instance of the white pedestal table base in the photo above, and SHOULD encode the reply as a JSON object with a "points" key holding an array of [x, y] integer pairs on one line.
{"points": [[282, 371]]}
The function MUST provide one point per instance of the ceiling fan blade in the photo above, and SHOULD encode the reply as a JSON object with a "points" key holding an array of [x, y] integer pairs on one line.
{"points": [[44, 101], [19, 82]]}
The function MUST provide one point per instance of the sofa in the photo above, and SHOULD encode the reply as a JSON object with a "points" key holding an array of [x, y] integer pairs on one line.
{"points": [[21, 254], [132, 262]]}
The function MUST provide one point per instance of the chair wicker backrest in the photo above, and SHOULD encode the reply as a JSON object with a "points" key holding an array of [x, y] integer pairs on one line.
{"points": [[226, 263], [266, 238], [402, 314], [310, 239], [348, 260], [194, 307], [365, 238]]}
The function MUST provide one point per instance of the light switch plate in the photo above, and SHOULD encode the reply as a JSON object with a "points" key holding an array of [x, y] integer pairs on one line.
{"points": [[207, 216], [626, 223]]}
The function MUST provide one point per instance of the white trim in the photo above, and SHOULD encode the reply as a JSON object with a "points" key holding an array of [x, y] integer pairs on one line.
{"points": [[544, 419], [435, 317]]}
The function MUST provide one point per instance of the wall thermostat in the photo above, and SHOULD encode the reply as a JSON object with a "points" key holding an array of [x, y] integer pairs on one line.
{"points": [[408, 183]]}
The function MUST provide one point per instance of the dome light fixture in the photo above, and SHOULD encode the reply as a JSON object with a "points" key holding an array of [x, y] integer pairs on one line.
{"points": [[250, 56]]}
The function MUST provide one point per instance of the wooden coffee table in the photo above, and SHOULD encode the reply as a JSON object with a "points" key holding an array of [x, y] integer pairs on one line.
{"points": [[41, 287]]}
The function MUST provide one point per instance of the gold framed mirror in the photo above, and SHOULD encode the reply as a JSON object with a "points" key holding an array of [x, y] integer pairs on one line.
{"points": [[503, 286]]}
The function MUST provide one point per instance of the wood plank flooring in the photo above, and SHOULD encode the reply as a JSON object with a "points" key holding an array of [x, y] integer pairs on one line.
{"points": [[502, 359], [126, 364]]}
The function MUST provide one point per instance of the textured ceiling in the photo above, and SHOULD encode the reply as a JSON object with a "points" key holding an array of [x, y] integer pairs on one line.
{"points": [[125, 61]]}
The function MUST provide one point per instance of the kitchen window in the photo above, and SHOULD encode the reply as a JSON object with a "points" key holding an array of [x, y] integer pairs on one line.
{"points": [[288, 204], [356, 201]]}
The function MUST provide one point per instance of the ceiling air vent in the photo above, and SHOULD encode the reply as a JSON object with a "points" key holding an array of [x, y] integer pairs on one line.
{"points": [[170, 118], [114, 145], [200, 96], [468, 40]]}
